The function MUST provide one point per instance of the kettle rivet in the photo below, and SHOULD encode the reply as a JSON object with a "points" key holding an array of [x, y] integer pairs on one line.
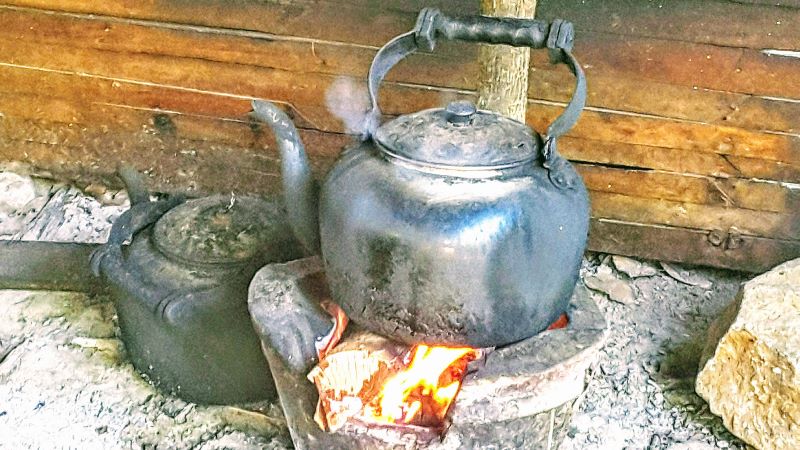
{"points": [[460, 111]]}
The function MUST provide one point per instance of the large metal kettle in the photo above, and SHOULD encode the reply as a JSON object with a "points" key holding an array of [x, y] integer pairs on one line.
{"points": [[450, 225]]}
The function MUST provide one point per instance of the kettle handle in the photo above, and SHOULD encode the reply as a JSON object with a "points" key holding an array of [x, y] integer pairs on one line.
{"points": [[557, 37]]}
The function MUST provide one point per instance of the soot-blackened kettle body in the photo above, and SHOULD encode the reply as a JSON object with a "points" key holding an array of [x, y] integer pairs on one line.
{"points": [[450, 225]]}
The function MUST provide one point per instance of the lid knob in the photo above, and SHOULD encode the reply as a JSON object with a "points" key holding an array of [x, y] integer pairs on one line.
{"points": [[460, 112]]}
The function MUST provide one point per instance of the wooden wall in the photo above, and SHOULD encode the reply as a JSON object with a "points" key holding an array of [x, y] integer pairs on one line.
{"points": [[690, 145]]}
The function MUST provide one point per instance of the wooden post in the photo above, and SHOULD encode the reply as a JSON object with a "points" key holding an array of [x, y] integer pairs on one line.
{"points": [[503, 79]]}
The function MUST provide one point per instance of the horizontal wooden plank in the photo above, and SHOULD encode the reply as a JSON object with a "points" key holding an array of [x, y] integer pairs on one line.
{"points": [[180, 166], [667, 100], [676, 160], [305, 91], [313, 19], [684, 20], [178, 152], [701, 190], [758, 23], [688, 215], [663, 243], [172, 137], [719, 23], [746, 71], [455, 68], [657, 132]]}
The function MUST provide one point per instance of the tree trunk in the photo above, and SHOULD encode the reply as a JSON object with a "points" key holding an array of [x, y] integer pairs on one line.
{"points": [[503, 79]]}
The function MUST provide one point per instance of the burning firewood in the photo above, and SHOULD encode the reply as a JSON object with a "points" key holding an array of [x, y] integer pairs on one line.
{"points": [[367, 378], [350, 374]]}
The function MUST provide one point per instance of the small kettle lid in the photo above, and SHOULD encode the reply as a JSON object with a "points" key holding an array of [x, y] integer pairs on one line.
{"points": [[458, 136], [214, 230]]}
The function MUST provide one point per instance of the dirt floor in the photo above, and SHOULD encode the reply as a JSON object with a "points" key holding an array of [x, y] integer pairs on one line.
{"points": [[65, 381]]}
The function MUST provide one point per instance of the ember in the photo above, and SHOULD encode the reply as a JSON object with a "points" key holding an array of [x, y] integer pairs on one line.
{"points": [[371, 379], [422, 393]]}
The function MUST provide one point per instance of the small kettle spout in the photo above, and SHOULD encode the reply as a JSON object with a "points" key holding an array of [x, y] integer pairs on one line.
{"points": [[300, 190]]}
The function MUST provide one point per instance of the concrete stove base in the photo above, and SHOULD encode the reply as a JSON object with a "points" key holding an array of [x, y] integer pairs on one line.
{"points": [[522, 397]]}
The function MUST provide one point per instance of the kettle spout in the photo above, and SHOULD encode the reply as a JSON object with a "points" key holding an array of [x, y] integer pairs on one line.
{"points": [[300, 190]]}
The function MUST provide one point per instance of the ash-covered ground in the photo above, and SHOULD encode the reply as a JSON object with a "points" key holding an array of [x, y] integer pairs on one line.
{"points": [[65, 381]]}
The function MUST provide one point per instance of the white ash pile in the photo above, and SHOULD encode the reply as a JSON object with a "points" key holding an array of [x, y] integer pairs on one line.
{"points": [[642, 394], [38, 209]]}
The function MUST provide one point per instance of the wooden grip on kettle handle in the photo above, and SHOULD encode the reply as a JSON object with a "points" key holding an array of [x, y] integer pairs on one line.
{"points": [[557, 36], [431, 23]]}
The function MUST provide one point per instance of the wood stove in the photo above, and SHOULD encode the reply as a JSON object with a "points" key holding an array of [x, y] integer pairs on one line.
{"points": [[518, 396]]}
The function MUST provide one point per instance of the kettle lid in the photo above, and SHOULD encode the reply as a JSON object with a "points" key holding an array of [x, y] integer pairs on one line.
{"points": [[216, 230], [458, 136]]}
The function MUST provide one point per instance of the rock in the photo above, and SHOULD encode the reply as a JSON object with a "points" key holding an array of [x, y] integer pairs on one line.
{"points": [[95, 190], [8, 345], [286, 313], [604, 281], [104, 345], [633, 268], [118, 198], [750, 368], [685, 276]]}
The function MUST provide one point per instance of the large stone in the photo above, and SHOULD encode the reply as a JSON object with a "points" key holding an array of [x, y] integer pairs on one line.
{"points": [[750, 368]]}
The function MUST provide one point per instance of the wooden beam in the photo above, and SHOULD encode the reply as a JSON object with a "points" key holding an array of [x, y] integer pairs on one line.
{"points": [[700, 190], [715, 22], [681, 161], [627, 208], [683, 63], [453, 67], [503, 77], [756, 26], [689, 246]]}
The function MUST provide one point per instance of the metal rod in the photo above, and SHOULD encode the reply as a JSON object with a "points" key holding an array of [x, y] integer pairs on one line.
{"points": [[57, 266]]}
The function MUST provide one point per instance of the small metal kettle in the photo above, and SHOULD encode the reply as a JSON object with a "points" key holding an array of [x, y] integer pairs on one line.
{"points": [[179, 272], [450, 225]]}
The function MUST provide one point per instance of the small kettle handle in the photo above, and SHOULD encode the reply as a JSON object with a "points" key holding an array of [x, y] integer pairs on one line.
{"points": [[557, 37]]}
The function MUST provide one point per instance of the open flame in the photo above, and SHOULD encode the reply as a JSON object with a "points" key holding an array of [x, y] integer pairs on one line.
{"points": [[370, 379], [422, 392]]}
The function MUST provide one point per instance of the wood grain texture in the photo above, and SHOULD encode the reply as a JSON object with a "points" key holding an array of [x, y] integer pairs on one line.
{"points": [[688, 246], [689, 215], [700, 190], [503, 76], [716, 22], [304, 91], [453, 67], [691, 129]]}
